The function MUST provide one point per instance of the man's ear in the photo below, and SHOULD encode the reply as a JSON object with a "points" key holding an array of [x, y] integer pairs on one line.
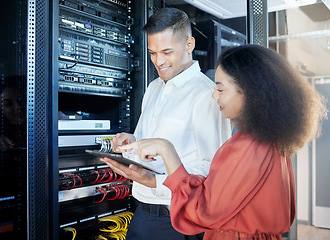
{"points": [[190, 44]]}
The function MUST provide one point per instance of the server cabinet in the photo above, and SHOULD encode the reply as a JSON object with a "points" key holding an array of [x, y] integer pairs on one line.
{"points": [[95, 61], [212, 38], [68, 72]]}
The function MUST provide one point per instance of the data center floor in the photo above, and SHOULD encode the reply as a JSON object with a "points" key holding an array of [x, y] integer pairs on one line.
{"points": [[308, 232]]}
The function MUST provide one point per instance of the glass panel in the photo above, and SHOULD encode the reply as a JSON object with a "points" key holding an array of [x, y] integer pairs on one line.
{"points": [[13, 170], [302, 35]]}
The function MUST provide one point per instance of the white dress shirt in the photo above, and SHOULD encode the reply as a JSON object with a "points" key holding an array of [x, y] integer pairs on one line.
{"points": [[183, 112]]}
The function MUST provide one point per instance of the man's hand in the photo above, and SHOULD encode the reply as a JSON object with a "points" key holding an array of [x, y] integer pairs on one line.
{"points": [[121, 139], [133, 172]]}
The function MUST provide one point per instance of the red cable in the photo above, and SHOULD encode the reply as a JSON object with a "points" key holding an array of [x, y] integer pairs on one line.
{"points": [[111, 173], [116, 177], [110, 176], [98, 175], [125, 191], [104, 194], [122, 178], [122, 192], [114, 188], [118, 192], [105, 173], [74, 181], [75, 175]]}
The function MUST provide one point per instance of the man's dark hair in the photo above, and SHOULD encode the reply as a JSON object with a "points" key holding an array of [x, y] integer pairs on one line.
{"points": [[169, 18]]}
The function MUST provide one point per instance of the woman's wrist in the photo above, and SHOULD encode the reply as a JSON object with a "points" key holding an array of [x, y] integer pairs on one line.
{"points": [[170, 157]]}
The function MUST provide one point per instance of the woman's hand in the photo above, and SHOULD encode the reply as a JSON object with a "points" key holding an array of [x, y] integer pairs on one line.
{"points": [[121, 139], [147, 149], [133, 172]]}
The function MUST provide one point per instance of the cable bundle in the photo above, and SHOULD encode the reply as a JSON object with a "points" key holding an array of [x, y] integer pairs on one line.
{"points": [[73, 176], [101, 178], [117, 235], [120, 191], [70, 229], [120, 224], [101, 190], [105, 144]]}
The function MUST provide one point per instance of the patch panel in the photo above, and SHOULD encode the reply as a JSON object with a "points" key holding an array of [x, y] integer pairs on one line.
{"points": [[106, 73], [74, 80], [88, 191], [80, 140], [71, 178]]}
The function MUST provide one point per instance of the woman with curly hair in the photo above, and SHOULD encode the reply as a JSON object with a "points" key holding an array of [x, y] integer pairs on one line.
{"points": [[249, 192]]}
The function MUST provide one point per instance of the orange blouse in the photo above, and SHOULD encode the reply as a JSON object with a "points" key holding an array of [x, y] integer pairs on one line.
{"points": [[248, 194]]}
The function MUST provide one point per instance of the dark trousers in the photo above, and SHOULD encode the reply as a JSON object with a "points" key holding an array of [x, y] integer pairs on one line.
{"points": [[146, 226]]}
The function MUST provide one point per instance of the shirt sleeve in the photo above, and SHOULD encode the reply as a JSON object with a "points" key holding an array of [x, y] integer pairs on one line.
{"points": [[237, 173], [161, 190]]}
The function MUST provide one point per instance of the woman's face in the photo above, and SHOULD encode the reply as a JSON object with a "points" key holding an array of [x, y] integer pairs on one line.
{"points": [[10, 107], [229, 97]]}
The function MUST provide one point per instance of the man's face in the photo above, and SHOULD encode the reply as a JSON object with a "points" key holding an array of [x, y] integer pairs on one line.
{"points": [[170, 54]]}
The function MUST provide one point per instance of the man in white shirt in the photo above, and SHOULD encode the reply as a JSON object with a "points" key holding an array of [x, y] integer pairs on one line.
{"points": [[177, 106]]}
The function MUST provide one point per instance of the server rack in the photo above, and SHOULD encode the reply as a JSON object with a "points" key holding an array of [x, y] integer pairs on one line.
{"points": [[73, 65], [212, 37], [95, 63], [75, 62]]}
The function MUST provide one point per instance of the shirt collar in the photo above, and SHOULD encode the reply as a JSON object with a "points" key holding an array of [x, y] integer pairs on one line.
{"points": [[181, 79]]}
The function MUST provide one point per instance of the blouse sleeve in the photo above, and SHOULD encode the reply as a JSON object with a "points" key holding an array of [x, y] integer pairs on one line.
{"points": [[238, 170]]}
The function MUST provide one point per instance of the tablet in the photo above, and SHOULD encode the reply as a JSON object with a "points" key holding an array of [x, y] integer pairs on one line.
{"points": [[119, 158]]}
